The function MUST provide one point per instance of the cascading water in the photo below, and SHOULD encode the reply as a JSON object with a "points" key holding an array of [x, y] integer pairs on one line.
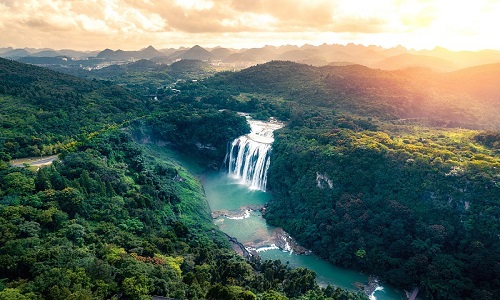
{"points": [[237, 212], [249, 155]]}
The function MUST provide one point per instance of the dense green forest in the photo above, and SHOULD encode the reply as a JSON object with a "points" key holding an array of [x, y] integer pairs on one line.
{"points": [[374, 170], [42, 111], [409, 209], [395, 173], [107, 221]]}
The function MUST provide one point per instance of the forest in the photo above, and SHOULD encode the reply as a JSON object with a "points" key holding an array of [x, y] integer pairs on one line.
{"points": [[369, 181], [108, 221], [394, 173]]}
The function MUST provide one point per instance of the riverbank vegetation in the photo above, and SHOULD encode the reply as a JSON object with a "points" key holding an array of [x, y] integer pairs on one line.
{"points": [[375, 170], [390, 172], [107, 221]]}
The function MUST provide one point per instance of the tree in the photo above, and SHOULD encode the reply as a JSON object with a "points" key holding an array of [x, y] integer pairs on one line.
{"points": [[17, 183], [273, 295], [137, 287]]}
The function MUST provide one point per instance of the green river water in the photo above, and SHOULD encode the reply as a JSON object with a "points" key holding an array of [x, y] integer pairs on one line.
{"points": [[225, 194]]}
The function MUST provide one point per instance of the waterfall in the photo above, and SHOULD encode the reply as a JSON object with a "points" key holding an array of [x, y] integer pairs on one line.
{"points": [[249, 155], [249, 161]]}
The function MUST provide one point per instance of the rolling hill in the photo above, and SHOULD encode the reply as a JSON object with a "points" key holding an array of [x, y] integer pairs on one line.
{"points": [[441, 99], [40, 106]]}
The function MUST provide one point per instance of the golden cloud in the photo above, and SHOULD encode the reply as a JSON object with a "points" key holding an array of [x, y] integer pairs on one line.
{"points": [[88, 23]]}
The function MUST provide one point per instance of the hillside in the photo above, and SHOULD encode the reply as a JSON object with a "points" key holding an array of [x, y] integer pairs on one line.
{"points": [[194, 53], [40, 107], [441, 99], [106, 220], [480, 81], [120, 55], [375, 171]]}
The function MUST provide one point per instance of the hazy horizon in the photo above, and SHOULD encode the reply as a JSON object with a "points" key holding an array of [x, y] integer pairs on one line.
{"points": [[133, 25], [35, 49]]}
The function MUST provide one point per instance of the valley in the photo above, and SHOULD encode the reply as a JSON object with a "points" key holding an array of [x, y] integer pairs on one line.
{"points": [[387, 173]]}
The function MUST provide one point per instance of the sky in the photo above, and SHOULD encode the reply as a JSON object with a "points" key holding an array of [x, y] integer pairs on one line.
{"points": [[135, 24]]}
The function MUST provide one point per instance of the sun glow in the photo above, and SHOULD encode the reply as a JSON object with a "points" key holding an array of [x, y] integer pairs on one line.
{"points": [[419, 24], [458, 24], [195, 4], [427, 24]]}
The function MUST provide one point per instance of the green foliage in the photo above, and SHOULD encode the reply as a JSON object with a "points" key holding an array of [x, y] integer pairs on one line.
{"points": [[356, 177], [389, 205], [489, 139], [17, 183], [43, 111], [14, 294], [273, 295], [108, 219]]}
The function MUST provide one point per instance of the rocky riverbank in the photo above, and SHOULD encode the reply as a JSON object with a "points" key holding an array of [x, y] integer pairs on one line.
{"points": [[276, 239]]}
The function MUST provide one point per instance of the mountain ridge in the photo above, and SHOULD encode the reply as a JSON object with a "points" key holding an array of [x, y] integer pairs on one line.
{"points": [[438, 59], [439, 98]]}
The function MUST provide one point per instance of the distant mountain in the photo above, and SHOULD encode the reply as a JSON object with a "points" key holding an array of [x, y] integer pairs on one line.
{"points": [[281, 49], [194, 53], [107, 53], [16, 53], [221, 53], [480, 81], [252, 55], [464, 59], [311, 56], [407, 60], [46, 53], [3, 50], [77, 54], [146, 53], [168, 51], [299, 54]]}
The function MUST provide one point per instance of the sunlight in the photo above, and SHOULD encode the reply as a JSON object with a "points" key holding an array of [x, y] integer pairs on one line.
{"points": [[195, 4]]}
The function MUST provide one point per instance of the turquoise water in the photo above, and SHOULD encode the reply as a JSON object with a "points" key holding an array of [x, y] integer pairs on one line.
{"points": [[224, 193]]}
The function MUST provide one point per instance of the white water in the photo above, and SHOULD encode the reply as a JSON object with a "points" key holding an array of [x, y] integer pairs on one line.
{"points": [[267, 248], [246, 215], [372, 296], [249, 156]]}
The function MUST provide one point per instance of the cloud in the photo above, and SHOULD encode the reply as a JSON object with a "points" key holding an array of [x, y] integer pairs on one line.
{"points": [[133, 23]]}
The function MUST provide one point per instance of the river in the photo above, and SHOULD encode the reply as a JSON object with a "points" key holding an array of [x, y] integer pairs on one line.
{"points": [[236, 208], [234, 199]]}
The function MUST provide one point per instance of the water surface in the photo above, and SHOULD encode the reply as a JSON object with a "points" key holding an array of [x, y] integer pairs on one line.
{"points": [[225, 193]]}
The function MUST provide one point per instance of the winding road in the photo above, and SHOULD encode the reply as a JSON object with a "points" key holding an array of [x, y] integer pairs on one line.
{"points": [[34, 162]]}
